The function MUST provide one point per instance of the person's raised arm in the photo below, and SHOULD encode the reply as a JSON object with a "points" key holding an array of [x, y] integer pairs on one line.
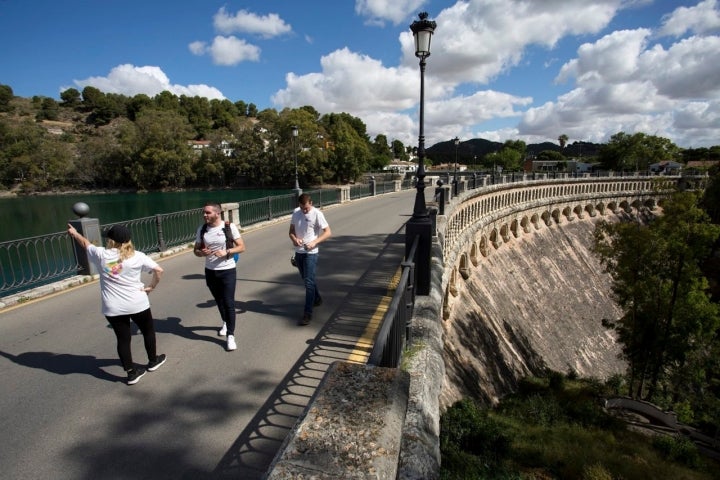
{"points": [[82, 241]]}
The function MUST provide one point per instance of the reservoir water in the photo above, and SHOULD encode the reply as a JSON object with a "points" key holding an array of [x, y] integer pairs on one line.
{"points": [[29, 216]]}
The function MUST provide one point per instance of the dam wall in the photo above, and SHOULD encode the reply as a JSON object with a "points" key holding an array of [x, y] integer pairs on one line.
{"points": [[515, 289]]}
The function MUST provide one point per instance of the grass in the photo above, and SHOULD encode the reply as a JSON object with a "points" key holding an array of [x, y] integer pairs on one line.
{"points": [[556, 429]]}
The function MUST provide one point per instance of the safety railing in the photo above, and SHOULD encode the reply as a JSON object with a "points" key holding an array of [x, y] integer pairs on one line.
{"points": [[394, 331], [32, 262], [36, 261]]}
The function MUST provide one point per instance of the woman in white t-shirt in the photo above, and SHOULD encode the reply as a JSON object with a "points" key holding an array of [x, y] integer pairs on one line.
{"points": [[124, 295]]}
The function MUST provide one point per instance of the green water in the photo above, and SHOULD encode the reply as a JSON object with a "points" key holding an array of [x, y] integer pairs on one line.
{"points": [[29, 216]]}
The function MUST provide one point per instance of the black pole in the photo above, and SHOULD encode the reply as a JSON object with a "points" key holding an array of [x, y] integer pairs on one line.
{"points": [[419, 224]]}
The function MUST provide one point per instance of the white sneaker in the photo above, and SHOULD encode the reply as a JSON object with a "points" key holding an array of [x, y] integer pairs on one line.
{"points": [[231, 343], [223, 330]]}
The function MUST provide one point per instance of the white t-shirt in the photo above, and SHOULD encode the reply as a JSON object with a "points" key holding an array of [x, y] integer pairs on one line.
{"points": [[308, 226], [214, 239], [121, 288]]}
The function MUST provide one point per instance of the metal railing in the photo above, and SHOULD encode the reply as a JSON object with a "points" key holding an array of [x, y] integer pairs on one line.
{"points": [[32, 262], [36, 261], [394, 331]]}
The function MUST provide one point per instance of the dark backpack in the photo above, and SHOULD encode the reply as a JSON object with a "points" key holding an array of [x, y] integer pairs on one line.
{"points": [[229, 242]]}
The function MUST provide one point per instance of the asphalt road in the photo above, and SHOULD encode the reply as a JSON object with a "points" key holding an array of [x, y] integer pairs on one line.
{"points": [[66, 412]]}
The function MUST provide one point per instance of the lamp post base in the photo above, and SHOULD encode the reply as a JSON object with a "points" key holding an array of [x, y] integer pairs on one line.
{"points": [[420, 227]]}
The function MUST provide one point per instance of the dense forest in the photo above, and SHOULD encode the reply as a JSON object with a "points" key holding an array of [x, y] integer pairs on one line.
{"points": [[96, 140]]}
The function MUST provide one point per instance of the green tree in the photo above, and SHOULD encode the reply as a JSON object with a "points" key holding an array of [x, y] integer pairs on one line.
{"points": [[636, 152], [136, 104], [163, 158], [350, 155], [551, 155], [562, 140], [91, 98], [399, 151], [198, 112], [70, 98], [166, 101], [49, 110], [669, 323], [6, 94], [381, 153]]}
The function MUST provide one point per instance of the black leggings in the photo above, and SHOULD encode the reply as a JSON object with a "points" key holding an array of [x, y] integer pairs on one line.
{"points": [[123, 332]]}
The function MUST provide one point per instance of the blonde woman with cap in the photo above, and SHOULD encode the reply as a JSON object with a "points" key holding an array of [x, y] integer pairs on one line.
{"points": [[124, 296]]}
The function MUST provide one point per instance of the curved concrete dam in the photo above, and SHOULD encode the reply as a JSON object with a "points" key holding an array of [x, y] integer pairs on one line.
{"points": [[535, 302]]}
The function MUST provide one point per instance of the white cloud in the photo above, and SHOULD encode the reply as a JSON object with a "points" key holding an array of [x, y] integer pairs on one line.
{"points": [[625, 84], [486, 37], [268, 26], [227, 51], [395, 11], [477, 40], [131, 80], [232, 50], [702, 18]]}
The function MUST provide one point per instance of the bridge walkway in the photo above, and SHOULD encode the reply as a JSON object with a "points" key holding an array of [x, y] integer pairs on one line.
{"points": [[206, 413]]}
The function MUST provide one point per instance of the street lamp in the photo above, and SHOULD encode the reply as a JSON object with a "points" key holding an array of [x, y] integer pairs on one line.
{"points": [[419, 225], [294, 135], [455, 182]]}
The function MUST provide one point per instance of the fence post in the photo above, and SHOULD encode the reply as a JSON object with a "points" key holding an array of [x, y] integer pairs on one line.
{"points": [[90, 229], [161, 239], [373, 186]]}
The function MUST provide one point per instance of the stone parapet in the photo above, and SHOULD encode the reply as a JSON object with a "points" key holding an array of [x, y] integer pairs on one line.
{"points": [[350, 429]]}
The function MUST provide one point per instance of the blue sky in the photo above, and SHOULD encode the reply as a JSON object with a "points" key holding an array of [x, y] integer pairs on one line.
{"points": [[499, 69]]}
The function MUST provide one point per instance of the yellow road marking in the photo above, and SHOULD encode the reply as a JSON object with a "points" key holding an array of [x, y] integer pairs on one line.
{"points": [[359, 355]]}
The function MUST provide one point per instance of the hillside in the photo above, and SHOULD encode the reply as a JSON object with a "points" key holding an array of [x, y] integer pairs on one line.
{"points": [[470, 150]]}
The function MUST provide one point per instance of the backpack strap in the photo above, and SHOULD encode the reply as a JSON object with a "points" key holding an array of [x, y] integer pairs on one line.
{"points": [[229, 242], [203, 231]]}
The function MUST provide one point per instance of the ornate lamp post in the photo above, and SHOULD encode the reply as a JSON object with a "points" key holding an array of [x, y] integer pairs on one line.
{"points": [[455, 182], [297, 189], [419, 225]]}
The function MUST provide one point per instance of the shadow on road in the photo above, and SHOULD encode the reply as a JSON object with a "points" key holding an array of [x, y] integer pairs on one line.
{"points": [[67, 364], [342, 336]]}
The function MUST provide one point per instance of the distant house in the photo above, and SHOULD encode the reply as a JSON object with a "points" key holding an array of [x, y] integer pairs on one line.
{"points": [[225, 148], [701, 165], [400, 167], [199, 145], [569, 166], [666, 167], [580, 167]]}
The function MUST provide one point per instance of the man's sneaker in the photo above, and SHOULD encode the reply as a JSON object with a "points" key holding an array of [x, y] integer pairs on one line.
{"points": [[317, 302], [231, 343], [305, 320], [135, 375], [159, 360], [223, 330]]}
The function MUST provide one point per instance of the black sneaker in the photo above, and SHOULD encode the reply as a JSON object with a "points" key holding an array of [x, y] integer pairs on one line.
{"points": [[135, 375], [317, 302], [159, 360], [305, 320]]}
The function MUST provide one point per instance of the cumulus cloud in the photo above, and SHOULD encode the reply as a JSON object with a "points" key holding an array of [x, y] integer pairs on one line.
{"points": [[229, 50], [626, 83], [487, 38], [226, 51], [703, 18], [380, 11], [131, 80], [267, 26]]}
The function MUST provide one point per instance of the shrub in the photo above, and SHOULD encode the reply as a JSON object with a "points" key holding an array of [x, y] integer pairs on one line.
{"points": [[466, 428], [678, 449]]}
